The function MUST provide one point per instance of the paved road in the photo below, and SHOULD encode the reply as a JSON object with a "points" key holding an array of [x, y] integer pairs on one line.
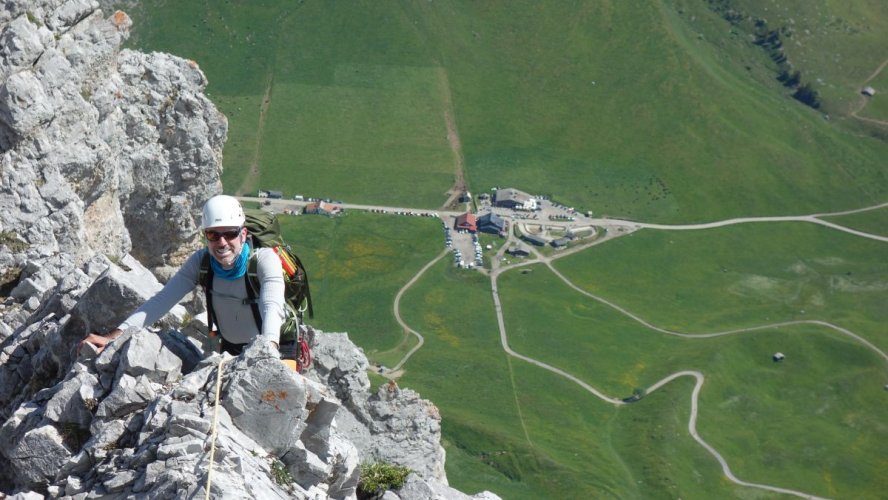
{"points": [[619, 224]]}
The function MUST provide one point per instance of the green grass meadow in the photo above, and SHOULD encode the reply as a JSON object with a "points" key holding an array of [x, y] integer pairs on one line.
{"points": [[741, 276], [660, 111], [550, 98], [356, 264], [836, 46], [524, 433], [873, 221], [547, 433], [775, 423]]}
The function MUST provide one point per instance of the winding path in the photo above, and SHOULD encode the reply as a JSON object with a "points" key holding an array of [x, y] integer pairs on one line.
{"points": [[397, 309], [627, 227], [802, 218], [812, 218]]}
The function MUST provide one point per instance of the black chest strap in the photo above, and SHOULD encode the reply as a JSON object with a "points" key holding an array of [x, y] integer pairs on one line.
{"points": [[206, 280]]}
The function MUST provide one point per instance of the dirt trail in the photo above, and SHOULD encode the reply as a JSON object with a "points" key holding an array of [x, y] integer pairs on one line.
{"points": [[864, 100], [459, 183], [250, 181], [396, 371]]}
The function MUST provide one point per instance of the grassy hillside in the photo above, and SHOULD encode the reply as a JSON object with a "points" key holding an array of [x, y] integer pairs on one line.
{"points": [[873, 222], [356, 264], [514, 429], [837, 47], [756, 412], [669, 112], [641, 113], [742, 276]]}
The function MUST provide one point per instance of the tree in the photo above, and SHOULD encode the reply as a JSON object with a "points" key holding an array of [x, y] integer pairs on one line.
{"points": [[788, 79], [807, 95]]}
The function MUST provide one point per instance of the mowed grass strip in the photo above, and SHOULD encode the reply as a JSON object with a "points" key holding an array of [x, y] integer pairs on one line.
{"points": [[233, 45], [354, 112], [375, 135], [356, 264], [241, 147], [756, 412], [741, 276]]}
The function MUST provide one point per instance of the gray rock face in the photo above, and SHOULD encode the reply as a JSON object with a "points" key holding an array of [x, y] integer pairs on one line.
{"points": [[394, 425], [102, 150], [106, 156]]}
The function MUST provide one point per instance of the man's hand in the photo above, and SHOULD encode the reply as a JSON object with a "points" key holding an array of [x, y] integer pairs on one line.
{"points": [[100, 341]]}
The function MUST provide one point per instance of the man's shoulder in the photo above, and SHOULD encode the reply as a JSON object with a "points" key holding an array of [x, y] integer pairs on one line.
{"points": [[265, 252], [197, 257], [266, 255]]}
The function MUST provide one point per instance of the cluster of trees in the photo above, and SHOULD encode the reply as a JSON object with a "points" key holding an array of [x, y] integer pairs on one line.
{"points": [[771, 41]]}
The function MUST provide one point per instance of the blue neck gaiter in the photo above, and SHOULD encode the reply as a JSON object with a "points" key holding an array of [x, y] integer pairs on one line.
{"points": [[238, 270]]}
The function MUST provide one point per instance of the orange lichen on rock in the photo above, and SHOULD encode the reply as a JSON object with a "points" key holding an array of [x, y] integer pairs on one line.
{"points": [[270, 395], [121, 20]]}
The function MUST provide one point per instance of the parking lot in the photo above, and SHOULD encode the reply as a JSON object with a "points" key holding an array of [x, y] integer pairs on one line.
{"points": [[465, 247]]}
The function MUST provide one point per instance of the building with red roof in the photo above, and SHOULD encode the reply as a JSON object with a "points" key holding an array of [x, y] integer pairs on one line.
{"points": [[467, 221]]}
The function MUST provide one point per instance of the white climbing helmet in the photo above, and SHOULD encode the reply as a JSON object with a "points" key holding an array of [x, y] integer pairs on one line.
{"points": [[222, 211]]}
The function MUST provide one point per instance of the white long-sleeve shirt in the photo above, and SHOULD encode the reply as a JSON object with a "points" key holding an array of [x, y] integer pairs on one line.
{"points": [[234, 317]]}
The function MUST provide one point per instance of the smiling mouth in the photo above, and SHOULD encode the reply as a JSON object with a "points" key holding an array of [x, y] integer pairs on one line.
{"points": [[223, 252]]}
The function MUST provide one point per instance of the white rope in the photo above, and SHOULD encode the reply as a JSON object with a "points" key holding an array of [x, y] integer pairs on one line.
{"points": [[215, 421]]}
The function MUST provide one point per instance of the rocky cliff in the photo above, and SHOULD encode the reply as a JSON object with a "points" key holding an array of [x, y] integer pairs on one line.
{"points": [[107, 156]]}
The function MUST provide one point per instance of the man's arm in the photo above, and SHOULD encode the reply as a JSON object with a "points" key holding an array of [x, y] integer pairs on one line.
{"points": [[271, 294], [177, 287], [154, 308]]}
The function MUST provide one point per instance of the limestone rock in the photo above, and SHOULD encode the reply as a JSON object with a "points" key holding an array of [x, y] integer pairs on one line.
{"points": [[102, 150], [394, 425], [106, 156]]}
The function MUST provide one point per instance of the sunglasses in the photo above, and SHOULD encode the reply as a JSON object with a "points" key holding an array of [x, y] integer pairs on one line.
{"points": [[218, 235]]}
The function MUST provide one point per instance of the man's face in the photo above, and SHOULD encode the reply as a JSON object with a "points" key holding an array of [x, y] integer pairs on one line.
{"points": [[225, 243]]}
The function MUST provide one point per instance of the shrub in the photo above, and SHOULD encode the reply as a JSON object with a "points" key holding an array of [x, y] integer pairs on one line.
{"points": [[807, 95], [377, 477], [279, 473], [11, 241]]}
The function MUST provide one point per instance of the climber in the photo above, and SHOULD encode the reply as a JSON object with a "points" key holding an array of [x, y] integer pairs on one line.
{"points": [[229, 246]]}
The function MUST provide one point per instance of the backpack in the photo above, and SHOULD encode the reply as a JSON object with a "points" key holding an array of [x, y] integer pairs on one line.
{"points": [[265, 231]]}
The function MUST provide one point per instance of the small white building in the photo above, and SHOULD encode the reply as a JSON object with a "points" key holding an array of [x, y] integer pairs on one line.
{"points": [[868, 91], [778, 356]]}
